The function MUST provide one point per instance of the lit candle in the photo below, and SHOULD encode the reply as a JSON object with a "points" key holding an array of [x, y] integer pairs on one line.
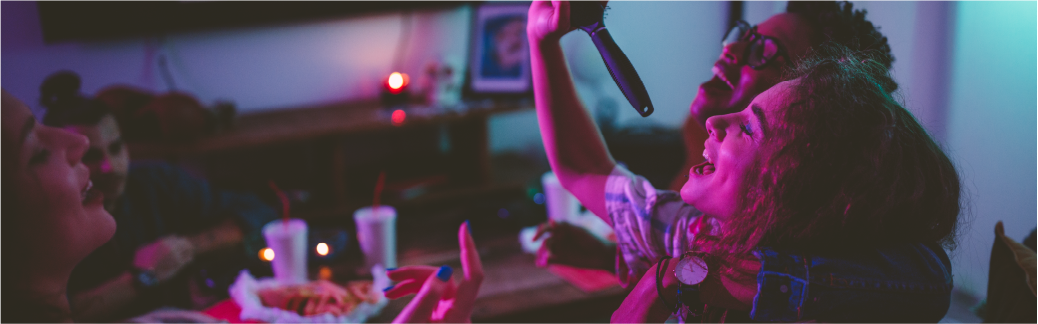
{"points": [[322, 249], [397, 82], [267, 254]]}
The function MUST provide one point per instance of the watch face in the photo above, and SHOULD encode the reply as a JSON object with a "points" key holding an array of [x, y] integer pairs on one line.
{"points": [[147, 278], [691, 270]]}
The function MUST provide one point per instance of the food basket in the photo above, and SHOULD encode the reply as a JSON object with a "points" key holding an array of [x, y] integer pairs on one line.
{"points": [[245, 291]]}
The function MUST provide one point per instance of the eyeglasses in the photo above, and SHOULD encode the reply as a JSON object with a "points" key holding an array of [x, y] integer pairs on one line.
{"points": [[761, 50]]}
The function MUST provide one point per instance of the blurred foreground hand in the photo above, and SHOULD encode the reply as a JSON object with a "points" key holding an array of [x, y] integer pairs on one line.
{"points": [[438, 299]]}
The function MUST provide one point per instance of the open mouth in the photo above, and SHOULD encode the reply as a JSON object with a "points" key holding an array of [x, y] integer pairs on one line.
{"points": [[704, 168], [89, 194], [721, 77], [717, 84]]}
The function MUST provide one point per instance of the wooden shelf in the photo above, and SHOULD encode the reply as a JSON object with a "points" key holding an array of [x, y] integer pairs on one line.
{"points": [[307, 123], [338, 147]]}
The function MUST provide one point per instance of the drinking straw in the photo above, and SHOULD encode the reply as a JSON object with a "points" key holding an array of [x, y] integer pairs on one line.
{"points": [[284, 201], [378, 192]]}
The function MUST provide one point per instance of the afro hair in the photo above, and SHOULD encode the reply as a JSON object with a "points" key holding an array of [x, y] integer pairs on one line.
{"points": [[839, 23]]}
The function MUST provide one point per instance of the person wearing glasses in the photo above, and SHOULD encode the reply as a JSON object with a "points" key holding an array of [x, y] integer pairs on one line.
{"points": [[652, 224], [752, 60]]}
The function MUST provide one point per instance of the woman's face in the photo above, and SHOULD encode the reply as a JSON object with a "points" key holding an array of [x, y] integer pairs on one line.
{"points": [[107, 157], [61, 214], [731, 149]]}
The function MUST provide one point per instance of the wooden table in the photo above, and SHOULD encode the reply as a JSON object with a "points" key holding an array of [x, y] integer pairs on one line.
{"points": [[515, 289]]}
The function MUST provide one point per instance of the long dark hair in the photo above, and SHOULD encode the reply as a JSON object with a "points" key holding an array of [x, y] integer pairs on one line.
{"points": [[846, 165], [24, 307]]}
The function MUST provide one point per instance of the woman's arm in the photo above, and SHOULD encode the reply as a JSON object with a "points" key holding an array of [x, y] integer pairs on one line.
{"points": [[574, 145], [100, 303], [724, 289], [224, 235]]}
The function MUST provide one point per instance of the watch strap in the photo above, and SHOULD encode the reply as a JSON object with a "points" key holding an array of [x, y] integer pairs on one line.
{"points": [[144, 279]]}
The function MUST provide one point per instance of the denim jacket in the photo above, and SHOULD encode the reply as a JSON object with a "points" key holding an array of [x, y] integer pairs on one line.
{"points": [[904, 283]]}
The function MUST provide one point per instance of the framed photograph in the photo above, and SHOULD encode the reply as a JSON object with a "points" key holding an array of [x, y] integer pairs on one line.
{"points": [[501, 54]]}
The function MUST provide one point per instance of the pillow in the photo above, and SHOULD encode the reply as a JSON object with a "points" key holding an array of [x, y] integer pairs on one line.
{"points": [[1011, 281]]}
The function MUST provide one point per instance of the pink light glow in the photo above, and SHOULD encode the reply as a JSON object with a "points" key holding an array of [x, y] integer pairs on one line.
{"points": [[398, 117], [397, 82]]}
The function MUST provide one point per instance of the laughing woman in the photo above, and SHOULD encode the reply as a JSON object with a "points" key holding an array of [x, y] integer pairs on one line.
{"points": [[824, 190], [52, 217], [822, 200]]}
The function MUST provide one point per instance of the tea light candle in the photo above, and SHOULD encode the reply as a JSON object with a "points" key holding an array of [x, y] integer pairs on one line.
{"points": [[322, 249], [395, 92], [397, 82]]}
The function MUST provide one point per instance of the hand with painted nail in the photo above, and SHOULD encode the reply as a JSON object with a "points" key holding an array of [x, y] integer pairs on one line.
{"points": [[438, 299]]}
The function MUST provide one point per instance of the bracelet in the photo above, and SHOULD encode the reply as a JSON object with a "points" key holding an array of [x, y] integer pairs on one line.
{"points": [[661, 267]]}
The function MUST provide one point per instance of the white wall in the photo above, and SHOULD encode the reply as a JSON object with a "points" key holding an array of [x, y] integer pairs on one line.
{"points": [[257, 68], [966, 70], [992, 126]]}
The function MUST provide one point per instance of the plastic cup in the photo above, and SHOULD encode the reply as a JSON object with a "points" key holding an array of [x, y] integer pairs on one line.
{"points": [[376, 233], [562, 206], [288, 240]]}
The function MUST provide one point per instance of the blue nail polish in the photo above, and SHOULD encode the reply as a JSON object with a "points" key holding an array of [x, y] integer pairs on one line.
{"points": [[444, 273], [388, 288], [468, 226], [390, 269]]}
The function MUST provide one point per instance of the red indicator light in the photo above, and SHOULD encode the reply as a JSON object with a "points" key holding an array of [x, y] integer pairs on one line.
{"points": [[398, 117], [397, 82]]}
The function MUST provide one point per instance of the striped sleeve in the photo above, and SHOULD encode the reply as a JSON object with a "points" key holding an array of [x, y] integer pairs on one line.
{"points": [[649, 223]]}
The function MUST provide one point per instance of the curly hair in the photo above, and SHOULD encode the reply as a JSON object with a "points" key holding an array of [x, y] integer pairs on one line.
{"points": [[66, 105], [839, 23], [845, 165]]}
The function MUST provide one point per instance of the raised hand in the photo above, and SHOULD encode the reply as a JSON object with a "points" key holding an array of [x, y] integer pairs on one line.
{"points": [[549, 20], [165, 257], [438, 299]]}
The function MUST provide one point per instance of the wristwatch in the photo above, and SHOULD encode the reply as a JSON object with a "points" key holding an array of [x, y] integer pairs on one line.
{"points": [[144, 279], [691, 270]]}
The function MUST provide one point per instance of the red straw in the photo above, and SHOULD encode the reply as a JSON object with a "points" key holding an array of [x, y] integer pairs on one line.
{"points": [[378, 192], [284, 201]]}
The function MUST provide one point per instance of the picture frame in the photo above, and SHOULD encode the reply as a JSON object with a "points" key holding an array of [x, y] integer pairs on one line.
{"points": [[500, 61]]}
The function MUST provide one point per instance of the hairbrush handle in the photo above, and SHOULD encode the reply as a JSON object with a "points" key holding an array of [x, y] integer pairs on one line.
{"points": [[621, 70]]}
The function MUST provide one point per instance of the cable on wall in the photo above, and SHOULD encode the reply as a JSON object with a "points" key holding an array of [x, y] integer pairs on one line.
{"points": [[405, 39]]}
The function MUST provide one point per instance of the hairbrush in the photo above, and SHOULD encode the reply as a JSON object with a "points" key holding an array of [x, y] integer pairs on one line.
{"points": [[589, 16]]}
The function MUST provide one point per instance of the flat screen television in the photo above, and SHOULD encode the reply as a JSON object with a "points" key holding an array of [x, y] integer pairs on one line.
{"points": [[101, 20]]}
